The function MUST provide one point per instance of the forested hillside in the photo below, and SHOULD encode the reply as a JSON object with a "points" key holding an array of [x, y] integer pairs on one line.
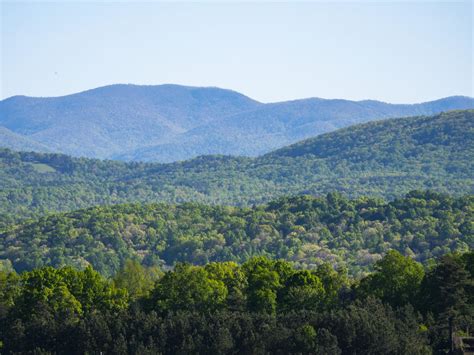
{"points": [[306, 230], [319, 297], [386, 159], [166, 123], [273, 126], [18, 142], [114, 119]]}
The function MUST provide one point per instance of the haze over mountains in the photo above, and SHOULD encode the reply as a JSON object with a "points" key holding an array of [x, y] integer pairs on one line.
{"points": [[170, 122], [385, 158]]}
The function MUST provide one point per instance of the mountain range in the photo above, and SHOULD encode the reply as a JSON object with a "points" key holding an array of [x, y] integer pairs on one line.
{"points": [[169, 123], [385, 158]]}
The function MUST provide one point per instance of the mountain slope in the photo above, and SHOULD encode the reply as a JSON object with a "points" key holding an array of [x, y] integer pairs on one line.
{"points": [[275, 125], [379, 139], [107, 120], [170, 122], [384, 158], [18, 142]]}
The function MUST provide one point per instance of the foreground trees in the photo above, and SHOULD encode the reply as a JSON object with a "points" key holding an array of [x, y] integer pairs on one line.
{"points": [[262, 306]]}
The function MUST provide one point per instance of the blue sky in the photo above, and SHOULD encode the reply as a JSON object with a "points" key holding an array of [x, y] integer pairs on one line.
{"points": [[395, 52]]}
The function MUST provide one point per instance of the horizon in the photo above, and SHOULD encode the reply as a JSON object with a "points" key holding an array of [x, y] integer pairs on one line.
{"points": [[271, 52], [238, 92]]}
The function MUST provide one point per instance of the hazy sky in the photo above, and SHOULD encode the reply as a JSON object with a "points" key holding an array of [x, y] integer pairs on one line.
{"points": [[395, 52]]}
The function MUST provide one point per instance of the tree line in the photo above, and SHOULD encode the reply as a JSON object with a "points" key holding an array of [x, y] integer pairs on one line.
{"points": [[260, 306]]}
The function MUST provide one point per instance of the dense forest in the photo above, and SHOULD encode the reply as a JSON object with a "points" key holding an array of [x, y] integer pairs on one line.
{"points": [[262, 306], [347, 233], [359, 241], [386, 159]]}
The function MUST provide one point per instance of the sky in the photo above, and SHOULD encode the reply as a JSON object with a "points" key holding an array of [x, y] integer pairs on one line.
{"points": [[400, 52]]}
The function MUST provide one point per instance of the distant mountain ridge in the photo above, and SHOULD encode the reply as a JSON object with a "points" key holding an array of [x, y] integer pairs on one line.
{"points": [[167, 123], [114, 119], [385, 158], [16, 141]]}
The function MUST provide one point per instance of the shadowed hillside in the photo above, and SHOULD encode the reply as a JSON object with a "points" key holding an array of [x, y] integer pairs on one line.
{"points": [[170, 122]]}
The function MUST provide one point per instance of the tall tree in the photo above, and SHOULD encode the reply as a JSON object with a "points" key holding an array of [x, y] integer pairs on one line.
{"points": [[396, 280]]}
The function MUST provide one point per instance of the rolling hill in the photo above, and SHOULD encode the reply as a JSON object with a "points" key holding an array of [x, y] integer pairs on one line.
{"points": [[384, 158], [167, 123], [16, 141], [305, 230]]}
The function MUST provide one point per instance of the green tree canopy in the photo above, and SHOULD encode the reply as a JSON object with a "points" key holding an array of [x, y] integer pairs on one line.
{"points": [[396, 279]]}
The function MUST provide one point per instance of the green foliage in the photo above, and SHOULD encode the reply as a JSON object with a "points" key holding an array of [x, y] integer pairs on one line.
{"points": [[264, 282], [67, 291], [346, 234], [302, 290], [136, 279], [334, 282], [305, 338], [448, 289], [189, 310], [289, 276], [386, 159], [10, 288], [396, 280], [234, 279], [188, 288]]}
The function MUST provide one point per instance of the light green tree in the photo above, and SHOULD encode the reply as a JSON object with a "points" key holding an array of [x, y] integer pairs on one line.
{"points": [[136, 279]]}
